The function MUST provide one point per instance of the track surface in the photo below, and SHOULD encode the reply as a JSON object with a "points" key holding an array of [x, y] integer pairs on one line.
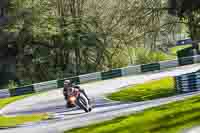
{"points": [[53, 102], [194, 130]]}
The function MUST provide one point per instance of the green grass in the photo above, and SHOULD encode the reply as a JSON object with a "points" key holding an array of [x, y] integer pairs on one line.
{"points": [[6, 101], [13, 121], [177, 48], [169, 118], [147, 91]]}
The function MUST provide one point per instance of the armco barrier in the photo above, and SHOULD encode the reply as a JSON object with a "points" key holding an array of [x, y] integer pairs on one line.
{"points": [[186, 61], [150, 67], [196, 59], [168, 64], [126, 71], [22, 90], [44, 86], [131, 70], [90, 77], [4, 93], [111, 74], [72, 79]]}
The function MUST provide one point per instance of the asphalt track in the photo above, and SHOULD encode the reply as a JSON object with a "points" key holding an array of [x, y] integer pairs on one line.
{"points": [[53, 102], [193, 130]]}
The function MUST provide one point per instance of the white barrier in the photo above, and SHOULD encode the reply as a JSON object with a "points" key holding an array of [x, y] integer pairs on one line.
{"points": [[4, 93], [168, 64], [90, 77], [197, 59], [44, 86], [131, 70]]}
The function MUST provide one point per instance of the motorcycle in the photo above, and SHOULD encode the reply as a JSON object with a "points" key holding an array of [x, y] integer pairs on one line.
{"points": [[75, 97]]}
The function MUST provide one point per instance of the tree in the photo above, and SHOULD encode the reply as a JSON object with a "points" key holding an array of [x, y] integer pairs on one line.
{"points": [[71, 37], [188, 11]]}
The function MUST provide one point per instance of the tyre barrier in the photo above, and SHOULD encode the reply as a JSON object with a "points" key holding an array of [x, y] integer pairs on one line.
{"points": [[188, 82]]}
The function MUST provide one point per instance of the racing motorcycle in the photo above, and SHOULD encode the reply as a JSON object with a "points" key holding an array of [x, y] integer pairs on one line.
{"points": [[75, 97]]}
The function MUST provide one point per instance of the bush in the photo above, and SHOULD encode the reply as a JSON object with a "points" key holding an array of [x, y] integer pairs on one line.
{"points": [[12, 84], [116, 58], [145, 56]]}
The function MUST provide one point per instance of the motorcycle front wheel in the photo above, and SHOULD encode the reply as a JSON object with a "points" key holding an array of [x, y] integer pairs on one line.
{"points": [[83, 103]]}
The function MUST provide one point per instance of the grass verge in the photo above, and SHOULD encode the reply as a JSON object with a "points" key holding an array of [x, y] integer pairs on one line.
{"points": [[174, 50], [169, 118], [147, 91], [6, 101], [14, 121]]}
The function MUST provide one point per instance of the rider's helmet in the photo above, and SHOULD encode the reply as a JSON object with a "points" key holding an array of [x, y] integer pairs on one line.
{"points": [[67, 82]]}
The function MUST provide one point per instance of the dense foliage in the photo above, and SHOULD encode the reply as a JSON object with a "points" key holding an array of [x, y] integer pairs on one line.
{"points": [[60, 38]]}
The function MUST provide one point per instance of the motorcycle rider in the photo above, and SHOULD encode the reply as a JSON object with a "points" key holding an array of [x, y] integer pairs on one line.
{"points": [[67, 85]]}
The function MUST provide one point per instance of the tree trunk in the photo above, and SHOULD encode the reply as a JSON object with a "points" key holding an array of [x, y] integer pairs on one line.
{"points": [[194, 28], [78, 57]]}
